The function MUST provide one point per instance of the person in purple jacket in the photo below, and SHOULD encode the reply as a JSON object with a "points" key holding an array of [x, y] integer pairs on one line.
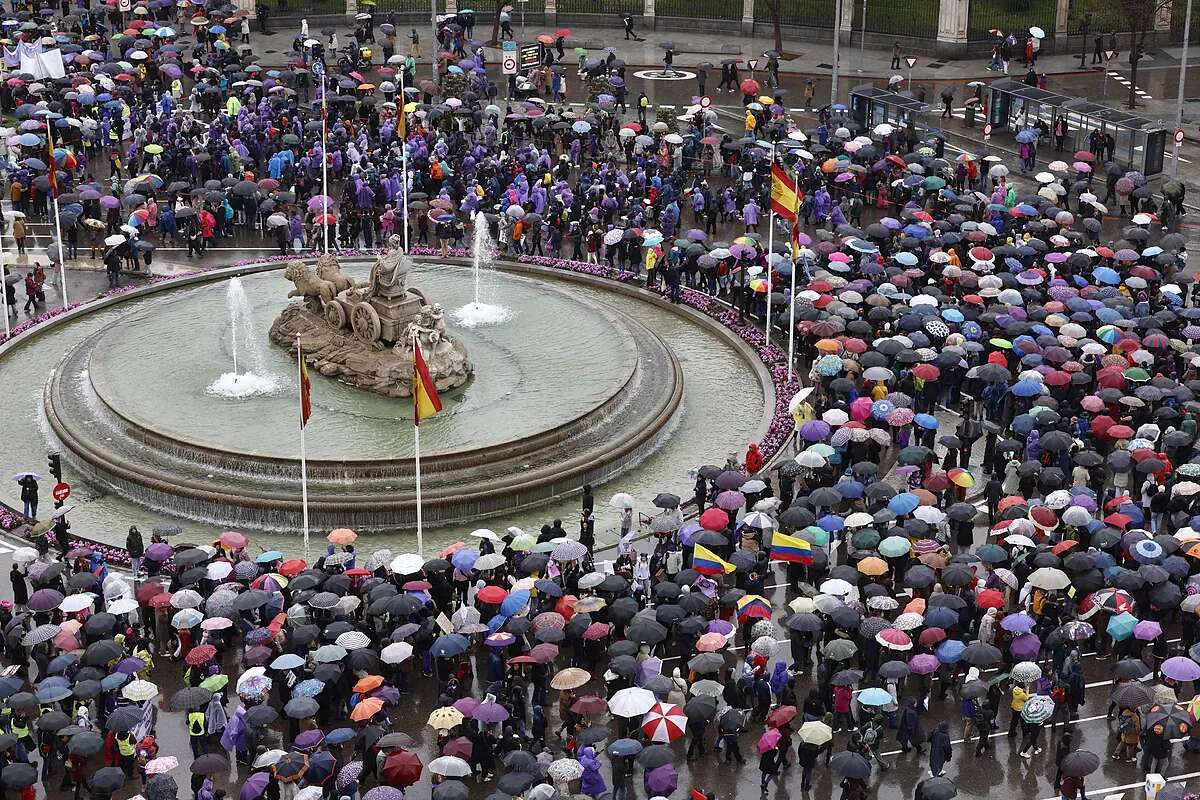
{"points": [[750, 215]]}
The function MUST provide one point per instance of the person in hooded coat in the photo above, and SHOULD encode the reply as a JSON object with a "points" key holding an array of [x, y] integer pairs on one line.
{"points": [[592, 783], [939, 748], [910, 732]]}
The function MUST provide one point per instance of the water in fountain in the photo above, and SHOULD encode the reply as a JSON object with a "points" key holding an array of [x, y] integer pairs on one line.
{"points": [[243, 340], [478, 313]]}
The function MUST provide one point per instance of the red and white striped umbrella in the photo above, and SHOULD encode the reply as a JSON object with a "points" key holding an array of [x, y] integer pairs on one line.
{"points": [[665, 723]]}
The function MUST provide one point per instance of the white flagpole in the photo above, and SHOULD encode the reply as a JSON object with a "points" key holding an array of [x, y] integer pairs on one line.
{"points": [[792, 298], [4, 288], [324, 165], [403, 159], [303, 460], [417, 450], [770, 251], [62, 253]]}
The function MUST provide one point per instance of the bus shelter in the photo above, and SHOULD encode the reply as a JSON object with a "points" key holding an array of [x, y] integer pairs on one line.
{"points": [[871, 105], [1140, 142]]}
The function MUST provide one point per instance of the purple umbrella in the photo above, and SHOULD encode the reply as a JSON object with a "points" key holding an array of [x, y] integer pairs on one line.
{"points": [[1181, 668], [466, 705], [742, 251], [388, 694], [697, 235], [688, 532], [923, 664], [159, 551], [814, 430], [317, 202], [254, 786], [721, 626], [490, 712], [1018, 623], [349, 774], [308, 739], [662, 781], [129, 665], [45, 600], [1147, 630], [108, 201], [1025, 647]]}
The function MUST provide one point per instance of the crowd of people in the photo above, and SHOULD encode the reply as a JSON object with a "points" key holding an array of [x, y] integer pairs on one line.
{"points": [[991, 476]]}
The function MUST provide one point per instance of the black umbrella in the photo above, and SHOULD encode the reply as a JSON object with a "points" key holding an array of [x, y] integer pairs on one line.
{"points": [[125, 718], [108, 779], [851, 765], [700, 709], [19, 776], [937, 788], [654, 756], [302, 707], [191, 697]]}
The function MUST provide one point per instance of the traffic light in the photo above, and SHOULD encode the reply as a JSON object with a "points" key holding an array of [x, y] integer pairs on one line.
{"points": [[55, 461]]}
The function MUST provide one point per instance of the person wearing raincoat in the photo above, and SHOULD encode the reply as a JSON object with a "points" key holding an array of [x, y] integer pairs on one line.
{"points": [[591, 783]]}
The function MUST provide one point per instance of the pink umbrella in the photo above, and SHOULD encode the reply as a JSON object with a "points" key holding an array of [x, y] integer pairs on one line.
{"points": [[769, 740], [894, 639], [860, 409]]}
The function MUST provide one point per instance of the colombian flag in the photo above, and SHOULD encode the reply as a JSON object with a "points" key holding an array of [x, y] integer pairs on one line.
{"points": [[790, 548], [784, 193], [426, 402], [305, 388], [753, 606], [706, 562]]}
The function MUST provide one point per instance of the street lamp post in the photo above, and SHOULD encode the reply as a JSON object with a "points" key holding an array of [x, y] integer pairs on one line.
{"points": [[837, 43], [1183, 65]]}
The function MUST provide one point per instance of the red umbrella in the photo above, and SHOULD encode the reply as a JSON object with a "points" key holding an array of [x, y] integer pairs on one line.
{"points": [[234, 540], [148, 591], [589, 704], [461, 747], [290, 569], [563, 32], [781, 716], [714, 519], [201, 655], [749, 86], [161, 599], [931, 636], [402, 768], [990, 598], [491, 594]]}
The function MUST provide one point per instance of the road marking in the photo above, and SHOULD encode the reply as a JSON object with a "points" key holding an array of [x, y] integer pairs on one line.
{"points": [[995, 734], [1138, 785]]}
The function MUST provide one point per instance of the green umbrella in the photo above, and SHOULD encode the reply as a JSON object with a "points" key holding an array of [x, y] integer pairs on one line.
{"points": [[839, 649], [933, 183], [1136, 374], [865, 540], [894, 547], [912, 455], [1003, 344]]}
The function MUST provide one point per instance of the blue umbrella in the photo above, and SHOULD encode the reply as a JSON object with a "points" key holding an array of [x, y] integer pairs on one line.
{"points": [[926, 421], [514, 602], [874, 697], [1147, 551], [269, 556], [1106, 275], [288, 661], [916, 231], [340, 736], [903, 503], [941, 617], [851, 490], [625, 747], [831, 523], [1026, 388], [308, 688], [1120, 627], [464, 560], [30, 140], [452, 644], [950, 651], [1027, 136]]}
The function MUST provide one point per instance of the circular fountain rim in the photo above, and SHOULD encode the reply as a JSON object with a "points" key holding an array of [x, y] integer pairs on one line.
{"points": [[431, 460]]}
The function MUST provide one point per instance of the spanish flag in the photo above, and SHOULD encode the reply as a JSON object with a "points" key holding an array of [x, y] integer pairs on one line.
{"points": [[753, 606], [706, 562], [790, 548], [305, 388], [426, 402], [784, 193]]}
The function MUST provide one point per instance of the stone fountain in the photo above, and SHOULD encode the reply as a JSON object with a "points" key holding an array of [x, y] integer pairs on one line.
{"points": [[363, 335]]}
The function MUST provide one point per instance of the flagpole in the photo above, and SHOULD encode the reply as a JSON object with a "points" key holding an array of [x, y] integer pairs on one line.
{"points": [[770, 250], [303, 459], [4, 288], [792, 297], [417, 451], [324, 168], [403, 157], [62, 253]]}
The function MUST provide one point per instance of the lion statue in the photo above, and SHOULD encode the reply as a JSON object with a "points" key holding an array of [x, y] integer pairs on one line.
{"points": [[329, 270], [315, 290]]}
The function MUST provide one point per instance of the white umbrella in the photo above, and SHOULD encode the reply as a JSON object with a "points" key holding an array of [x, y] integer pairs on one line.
{"points": [[114, 240], [25, 555], [632, 701], [759, 520], [139, 691], [123, 605], [450, 767], [565, 769], [396, 653], [622, 500], [74, 603], [407, 564], [489, 561]]}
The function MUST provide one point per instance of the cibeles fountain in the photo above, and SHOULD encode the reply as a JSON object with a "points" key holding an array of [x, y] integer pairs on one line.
{"points": [[551, 384], [363, 335]]}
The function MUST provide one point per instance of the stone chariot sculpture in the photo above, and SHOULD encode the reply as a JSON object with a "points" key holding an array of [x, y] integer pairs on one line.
{"points": [[363, 334]]}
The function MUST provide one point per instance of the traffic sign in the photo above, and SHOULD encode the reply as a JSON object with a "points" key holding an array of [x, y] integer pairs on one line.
{"points": [[318, 68], [911, 61], [705, 101], [61, 491], [1179, 136], [1108, 54], [531, 56], [753, 64], [125, 5], [987, 131], [508, 57]]}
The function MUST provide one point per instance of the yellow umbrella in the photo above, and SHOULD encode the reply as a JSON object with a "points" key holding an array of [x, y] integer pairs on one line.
{"points": [[445, 718]]}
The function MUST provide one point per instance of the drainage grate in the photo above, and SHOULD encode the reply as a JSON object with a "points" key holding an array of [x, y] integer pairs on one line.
{"points": [[824, 66]]}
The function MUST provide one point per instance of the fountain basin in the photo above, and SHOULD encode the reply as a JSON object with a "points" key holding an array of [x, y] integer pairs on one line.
{"points": [[235, 464]]}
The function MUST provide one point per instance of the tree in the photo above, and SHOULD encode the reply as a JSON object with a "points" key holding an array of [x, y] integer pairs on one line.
{"points": [[775, 8], [1137, 17]]}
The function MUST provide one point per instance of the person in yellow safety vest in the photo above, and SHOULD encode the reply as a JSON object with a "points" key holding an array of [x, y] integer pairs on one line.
{"points": [[127, 747], [20, 729], [197, 733]]}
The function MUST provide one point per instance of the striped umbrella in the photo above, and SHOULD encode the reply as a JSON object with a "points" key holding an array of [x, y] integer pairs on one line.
{"points": [[665, 723]]}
